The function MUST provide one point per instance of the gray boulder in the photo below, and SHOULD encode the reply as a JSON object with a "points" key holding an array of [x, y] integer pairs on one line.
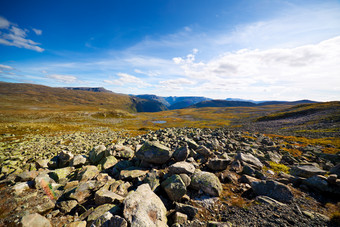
{"points": [[154, 152], [35, 219], [336, 170], [87, 173], [103, 196], [207, 182], [102, 209], [181, 153], [250, 159], [78, 160], [182, 167], [122, 151], [96, 154], [108, 220], [64, 158], [320, 183], [306, 171], [218, 164], [67, 206], [174, 187], [202, 150], [273, 189], [144, 208]]}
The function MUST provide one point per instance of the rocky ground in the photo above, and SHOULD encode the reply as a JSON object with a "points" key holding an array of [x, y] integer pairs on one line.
{"points": [[169, 177]]}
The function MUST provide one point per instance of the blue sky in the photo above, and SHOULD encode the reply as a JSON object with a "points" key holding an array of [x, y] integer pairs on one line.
{"points": [[251, 49]]}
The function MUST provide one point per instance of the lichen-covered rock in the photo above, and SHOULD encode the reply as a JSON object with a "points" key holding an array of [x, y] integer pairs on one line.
{"points": [[122, 151], [202, 150], [96, 154], [35, 219], [67, 206], [19, 188], [320, 183], [139, 211], [60, 174], [174, 187], [109, 220], [207, 182], [154, 152], [100, 210], [103, 196], [87, 173], [306, 171], [180, 218], [182, 167], [27, 175], [77, 224], [108, 162], [78, 160], [42, 163], [249, 158], [218, 164], [64, 158], [181, 153], [273, 189], [132, 173], [189, 210], [152, 179], [83, 191]]}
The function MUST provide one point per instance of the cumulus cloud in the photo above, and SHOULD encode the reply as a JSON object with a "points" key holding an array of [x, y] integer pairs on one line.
{"points": [[67, 79], [127, 79], [37, 31], [307, 69], [12, 35]]}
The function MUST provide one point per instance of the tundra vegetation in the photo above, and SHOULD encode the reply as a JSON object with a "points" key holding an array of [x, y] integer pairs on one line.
{"points": [[81, 158]]}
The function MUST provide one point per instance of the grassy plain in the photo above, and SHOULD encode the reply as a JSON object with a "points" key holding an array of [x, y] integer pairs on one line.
{"points": [[35, 109]]}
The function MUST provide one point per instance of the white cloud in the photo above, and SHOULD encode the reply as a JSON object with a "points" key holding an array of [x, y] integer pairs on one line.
{"points": [[6, 67], [15, 36], [37, 31], [127, 79], [67, 79], [308, 70], [176, 84], [4, 23], [148, 73]]}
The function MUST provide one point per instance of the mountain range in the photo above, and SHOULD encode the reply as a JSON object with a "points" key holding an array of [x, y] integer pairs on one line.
{"points": [[24, 94]]}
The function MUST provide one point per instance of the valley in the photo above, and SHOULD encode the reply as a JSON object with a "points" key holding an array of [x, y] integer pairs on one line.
{"points": [[93, 150]]}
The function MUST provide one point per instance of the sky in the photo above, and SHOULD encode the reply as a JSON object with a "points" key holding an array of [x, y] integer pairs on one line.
{"points": [[249, 49]]}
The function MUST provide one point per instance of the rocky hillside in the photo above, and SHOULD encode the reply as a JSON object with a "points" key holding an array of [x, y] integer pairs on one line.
{"points": [[27, 96], [169, 177], [315, 120], [93, 89]]}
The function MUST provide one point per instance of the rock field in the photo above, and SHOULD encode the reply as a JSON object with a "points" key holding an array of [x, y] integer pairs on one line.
{"points": [[169, 177]]}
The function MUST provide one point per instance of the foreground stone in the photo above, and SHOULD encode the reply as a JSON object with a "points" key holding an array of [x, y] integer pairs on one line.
{"points": [[144, 208], [250, 159], [207, 182], [35, 220], [154, 152], [174, 187], [306, 171], [273, 189]]}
